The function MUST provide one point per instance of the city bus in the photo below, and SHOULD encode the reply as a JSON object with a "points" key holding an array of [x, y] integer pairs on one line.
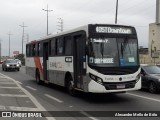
{"points": [[96, 58]]}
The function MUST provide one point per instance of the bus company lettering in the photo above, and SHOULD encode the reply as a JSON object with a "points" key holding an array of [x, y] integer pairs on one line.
{"points": [[113, 30], [104, 60], [55, 65]]}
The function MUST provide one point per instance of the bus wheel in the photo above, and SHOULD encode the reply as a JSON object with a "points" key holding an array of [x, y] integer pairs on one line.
{"points": [[38, 80], [71, 89]]}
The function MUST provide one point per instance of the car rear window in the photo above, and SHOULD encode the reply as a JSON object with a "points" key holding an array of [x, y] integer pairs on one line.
{"points": [[11, 61]]}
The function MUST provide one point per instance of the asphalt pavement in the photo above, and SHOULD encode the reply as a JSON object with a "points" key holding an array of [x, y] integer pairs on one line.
{"points": [[20, 92]]}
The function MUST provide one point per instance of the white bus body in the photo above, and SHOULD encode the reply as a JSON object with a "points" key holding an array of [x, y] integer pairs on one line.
{"points": [[82, 59]]}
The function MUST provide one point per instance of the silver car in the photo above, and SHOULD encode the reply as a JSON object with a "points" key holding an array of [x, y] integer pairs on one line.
{"points": [[19, 62], [10, 64]]}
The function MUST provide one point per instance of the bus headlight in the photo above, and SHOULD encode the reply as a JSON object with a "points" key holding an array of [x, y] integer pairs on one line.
{"points": [[138, 77], [95, 78], [17, 65], [99, 80]]}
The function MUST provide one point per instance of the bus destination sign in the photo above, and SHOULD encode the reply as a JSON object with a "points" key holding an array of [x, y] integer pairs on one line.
{"points": [[118, 30]]}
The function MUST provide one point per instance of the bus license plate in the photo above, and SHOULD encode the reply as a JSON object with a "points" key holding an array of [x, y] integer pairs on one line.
{"points": [[121, 86]]}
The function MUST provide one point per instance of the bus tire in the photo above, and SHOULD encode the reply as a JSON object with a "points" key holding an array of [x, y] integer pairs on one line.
{"points": [[71, 89], [38, 80]]}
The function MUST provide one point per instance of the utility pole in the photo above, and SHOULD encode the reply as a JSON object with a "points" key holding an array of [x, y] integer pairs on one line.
{"points": [[47, 10], [9, 34], [60, 21], [116, 12], [0, 51], [22, 34]]}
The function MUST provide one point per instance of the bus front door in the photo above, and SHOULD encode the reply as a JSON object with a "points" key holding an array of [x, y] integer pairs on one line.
{"points": [[79, 60]]}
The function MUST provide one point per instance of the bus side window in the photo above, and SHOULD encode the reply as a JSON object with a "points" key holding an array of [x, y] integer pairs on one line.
{"points": [[53, 47], [60, 46], [33, 50], [27, 50], [30, 50], [38, 49], [68, 45]]}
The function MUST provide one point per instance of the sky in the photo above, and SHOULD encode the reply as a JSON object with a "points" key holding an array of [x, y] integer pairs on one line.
{"points": [[75, 13]]}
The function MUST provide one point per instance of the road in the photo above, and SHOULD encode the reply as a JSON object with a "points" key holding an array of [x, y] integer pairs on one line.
{"points": [[23, 94]]}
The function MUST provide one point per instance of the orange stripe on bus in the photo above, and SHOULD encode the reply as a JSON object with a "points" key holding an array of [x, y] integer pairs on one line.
{"points": [[38, 64]]}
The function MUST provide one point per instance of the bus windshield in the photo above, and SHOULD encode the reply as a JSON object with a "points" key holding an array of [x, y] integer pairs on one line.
{"points": [[113, 52]]}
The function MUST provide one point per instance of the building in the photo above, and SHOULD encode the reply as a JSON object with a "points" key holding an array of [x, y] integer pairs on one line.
{"points": [[144, 56], [154, 37]]}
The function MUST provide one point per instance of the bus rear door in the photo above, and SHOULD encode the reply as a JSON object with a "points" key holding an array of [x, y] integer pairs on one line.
{"points": [[45, 60]]}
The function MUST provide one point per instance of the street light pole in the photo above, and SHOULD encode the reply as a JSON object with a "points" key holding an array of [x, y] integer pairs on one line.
{"points": [[116, 12], [9, 43], [0, 50], [47, 16], [22, 35]]}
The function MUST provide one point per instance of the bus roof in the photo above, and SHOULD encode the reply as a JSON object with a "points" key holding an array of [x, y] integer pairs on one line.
{"points": [[85, 28]]}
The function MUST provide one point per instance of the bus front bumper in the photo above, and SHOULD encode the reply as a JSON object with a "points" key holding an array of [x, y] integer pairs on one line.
{"points": [[95, 87]]}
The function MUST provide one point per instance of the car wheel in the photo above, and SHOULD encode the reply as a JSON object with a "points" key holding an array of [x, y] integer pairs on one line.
{"points": [[152, 87], [5, 69], [18, 69]]}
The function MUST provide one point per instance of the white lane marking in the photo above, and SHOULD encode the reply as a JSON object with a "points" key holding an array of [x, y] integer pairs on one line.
{"points": [[31, 88], [15, 108], [7, 83], [56, 99], [3, 77], [32, 98], [89, 116], [22, 108], [148, 98], [19, 82], [12, 95], [5, 80], [2, 108], [9, 88]]}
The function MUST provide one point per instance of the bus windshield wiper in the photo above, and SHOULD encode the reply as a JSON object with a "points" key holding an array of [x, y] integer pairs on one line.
{"points": [[102, 49], [122, 48]]}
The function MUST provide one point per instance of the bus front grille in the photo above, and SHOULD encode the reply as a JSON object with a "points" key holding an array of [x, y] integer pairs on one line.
{"points": [[115, 85]]}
